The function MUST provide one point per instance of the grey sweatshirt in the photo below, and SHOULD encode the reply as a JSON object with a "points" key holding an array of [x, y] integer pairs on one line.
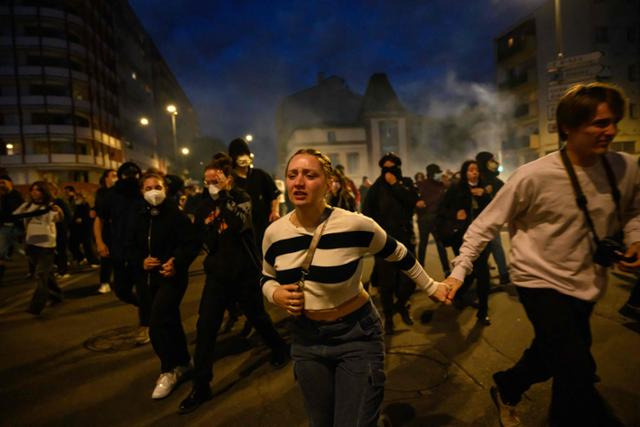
{"points": [[551, 245]]}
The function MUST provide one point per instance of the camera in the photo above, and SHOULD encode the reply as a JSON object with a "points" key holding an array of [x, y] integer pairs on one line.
{"points": [[610, 250]]}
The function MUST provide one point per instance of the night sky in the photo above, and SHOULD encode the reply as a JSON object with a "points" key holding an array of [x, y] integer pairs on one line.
{"points": [[237, 59]]}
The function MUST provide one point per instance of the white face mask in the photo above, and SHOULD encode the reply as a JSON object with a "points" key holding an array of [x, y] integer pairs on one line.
{"points": [[213, 190], [155, 197], [244, 161]]}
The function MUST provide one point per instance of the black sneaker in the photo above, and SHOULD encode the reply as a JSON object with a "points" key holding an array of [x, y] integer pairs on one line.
{"points": [[280, 357], [388, 326], [197, 397], [403, 310]]}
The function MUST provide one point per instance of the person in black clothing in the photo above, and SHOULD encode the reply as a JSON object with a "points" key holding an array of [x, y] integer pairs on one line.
{"points": [[61, 259], [121, 203], [492, 184], [233, 271], [461, 204], [10, 230], [161, 244], [260, 186], [390, 202], [107, 180], [80, 228]]}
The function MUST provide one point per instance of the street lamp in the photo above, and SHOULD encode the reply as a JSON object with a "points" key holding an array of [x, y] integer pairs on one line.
{"points": [[173, 112], [248, 137], [144, 121], [185, 151]]}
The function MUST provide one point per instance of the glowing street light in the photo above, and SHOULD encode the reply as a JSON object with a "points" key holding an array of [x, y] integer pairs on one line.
{"points": [[173, 111], [185, 151], [144, 121], [248, 137]]}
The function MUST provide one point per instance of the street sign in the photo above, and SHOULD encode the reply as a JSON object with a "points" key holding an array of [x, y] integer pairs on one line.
{"points": [[574, 61]]}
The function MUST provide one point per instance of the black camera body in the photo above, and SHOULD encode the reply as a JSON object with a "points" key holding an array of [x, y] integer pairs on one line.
{"points": [[611, 250]]}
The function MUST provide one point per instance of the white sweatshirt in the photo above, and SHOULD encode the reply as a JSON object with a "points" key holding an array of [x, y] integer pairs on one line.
{"points": [[551, 245]]}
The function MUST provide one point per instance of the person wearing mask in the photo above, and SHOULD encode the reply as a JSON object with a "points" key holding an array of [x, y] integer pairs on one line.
{"points": [[101, 231], [390, 202], [121, 203], [10, 230], [338, 346], [258, 184], [161, 245], [232, 268], [489, 171], [560, 208], [461, 204], [431, 192], [40, 215]]}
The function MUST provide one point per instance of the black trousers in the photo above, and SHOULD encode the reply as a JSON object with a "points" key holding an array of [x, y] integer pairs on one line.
{"points": [[125, 278], [392, 282], [46, 285], [165, 324], [62, 241], [217, 294], [106, 268], [561, 349], [482, 276], [426, 226]]}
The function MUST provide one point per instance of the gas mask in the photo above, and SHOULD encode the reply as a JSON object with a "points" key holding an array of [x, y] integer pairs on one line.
{"points": [[155, 197], [244, 160], [394, 170]]}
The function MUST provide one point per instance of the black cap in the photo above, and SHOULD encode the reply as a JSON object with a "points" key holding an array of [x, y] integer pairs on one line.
{"points": [[390, 156], [483, 157], [129, 170], [433, 169], [238, 147]]}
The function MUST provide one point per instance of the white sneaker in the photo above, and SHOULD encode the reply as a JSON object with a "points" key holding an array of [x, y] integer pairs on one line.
{"points": [[104, 288], [164, 385]]}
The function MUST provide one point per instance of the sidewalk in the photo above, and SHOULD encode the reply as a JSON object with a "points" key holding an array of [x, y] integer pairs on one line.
{"points": [[73, 367]]}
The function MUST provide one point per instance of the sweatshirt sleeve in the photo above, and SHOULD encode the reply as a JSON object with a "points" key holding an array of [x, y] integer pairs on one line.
{"points": [[386, 247], [505, 206]]}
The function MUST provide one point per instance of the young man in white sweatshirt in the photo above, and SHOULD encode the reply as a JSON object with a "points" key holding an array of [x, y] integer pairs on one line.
{"points": [[552, 253]]}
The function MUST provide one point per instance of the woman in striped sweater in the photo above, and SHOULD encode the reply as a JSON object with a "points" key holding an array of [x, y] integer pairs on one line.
{"points": [[338, 347]]}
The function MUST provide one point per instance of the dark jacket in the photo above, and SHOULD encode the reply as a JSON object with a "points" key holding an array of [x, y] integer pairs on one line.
{"points": [[8, 203], [161, 232], [431, 192], [449, 229], [228, 237], [263, 191], [391, 206]]}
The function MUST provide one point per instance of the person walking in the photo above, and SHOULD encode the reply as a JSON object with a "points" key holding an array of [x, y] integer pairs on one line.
{"points": [[40, 215], [311, 268], [101, 231], [232, 268], [568, 213], [161, 245]]}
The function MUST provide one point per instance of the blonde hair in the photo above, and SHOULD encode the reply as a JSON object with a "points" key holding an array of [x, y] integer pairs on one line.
{"points": [[324, 160]]}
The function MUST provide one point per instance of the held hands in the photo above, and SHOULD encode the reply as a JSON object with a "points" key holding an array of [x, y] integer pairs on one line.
{"points": [[477, 191], [168, 268], [461, 215], [420, 204], [289, 297], [453, 285], [150, 263], [633, 251], [440, 295]]}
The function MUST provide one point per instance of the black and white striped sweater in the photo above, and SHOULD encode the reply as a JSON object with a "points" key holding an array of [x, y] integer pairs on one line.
{"points": [[334, 275]]}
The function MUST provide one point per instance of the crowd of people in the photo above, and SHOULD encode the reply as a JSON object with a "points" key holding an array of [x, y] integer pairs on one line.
{"points": [[146, 229]]}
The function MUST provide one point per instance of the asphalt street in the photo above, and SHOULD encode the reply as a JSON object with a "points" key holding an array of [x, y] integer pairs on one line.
{"points": [[77, 364]]}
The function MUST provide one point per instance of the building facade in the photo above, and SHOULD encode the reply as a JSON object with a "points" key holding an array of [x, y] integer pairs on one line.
{"points": [[353, 130], [600, 41], [83, 89]]}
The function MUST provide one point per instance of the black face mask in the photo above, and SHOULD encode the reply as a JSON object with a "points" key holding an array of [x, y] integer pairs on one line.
{"points": [[394, 170]]}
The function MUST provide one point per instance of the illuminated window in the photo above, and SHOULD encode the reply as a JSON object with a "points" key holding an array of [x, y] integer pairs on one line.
{"points": [[510, 42]]}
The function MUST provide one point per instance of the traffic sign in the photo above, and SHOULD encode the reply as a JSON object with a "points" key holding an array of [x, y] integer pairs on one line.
{"points": [[574, 61]]}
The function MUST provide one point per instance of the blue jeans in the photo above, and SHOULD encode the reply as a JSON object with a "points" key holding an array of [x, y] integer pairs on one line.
{"points": [[340, 368]]}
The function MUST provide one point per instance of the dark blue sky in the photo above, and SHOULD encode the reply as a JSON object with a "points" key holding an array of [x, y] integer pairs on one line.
{"points": [[237, 59]]}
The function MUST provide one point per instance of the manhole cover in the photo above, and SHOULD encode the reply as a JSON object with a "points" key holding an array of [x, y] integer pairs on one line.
{"points": [[411, 372], [113, 340]]}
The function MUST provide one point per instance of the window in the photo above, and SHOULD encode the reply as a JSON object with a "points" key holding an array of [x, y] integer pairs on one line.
{"points": [[625, 146], [10, 147], [37, 146], [601, 35], [49, 89], [331, 136], [335, 158], [353, 162], [389, 136], [80, 176]]}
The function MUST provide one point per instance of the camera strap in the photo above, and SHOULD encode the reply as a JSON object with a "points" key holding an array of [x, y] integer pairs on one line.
{"points": [[581, 199]]}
